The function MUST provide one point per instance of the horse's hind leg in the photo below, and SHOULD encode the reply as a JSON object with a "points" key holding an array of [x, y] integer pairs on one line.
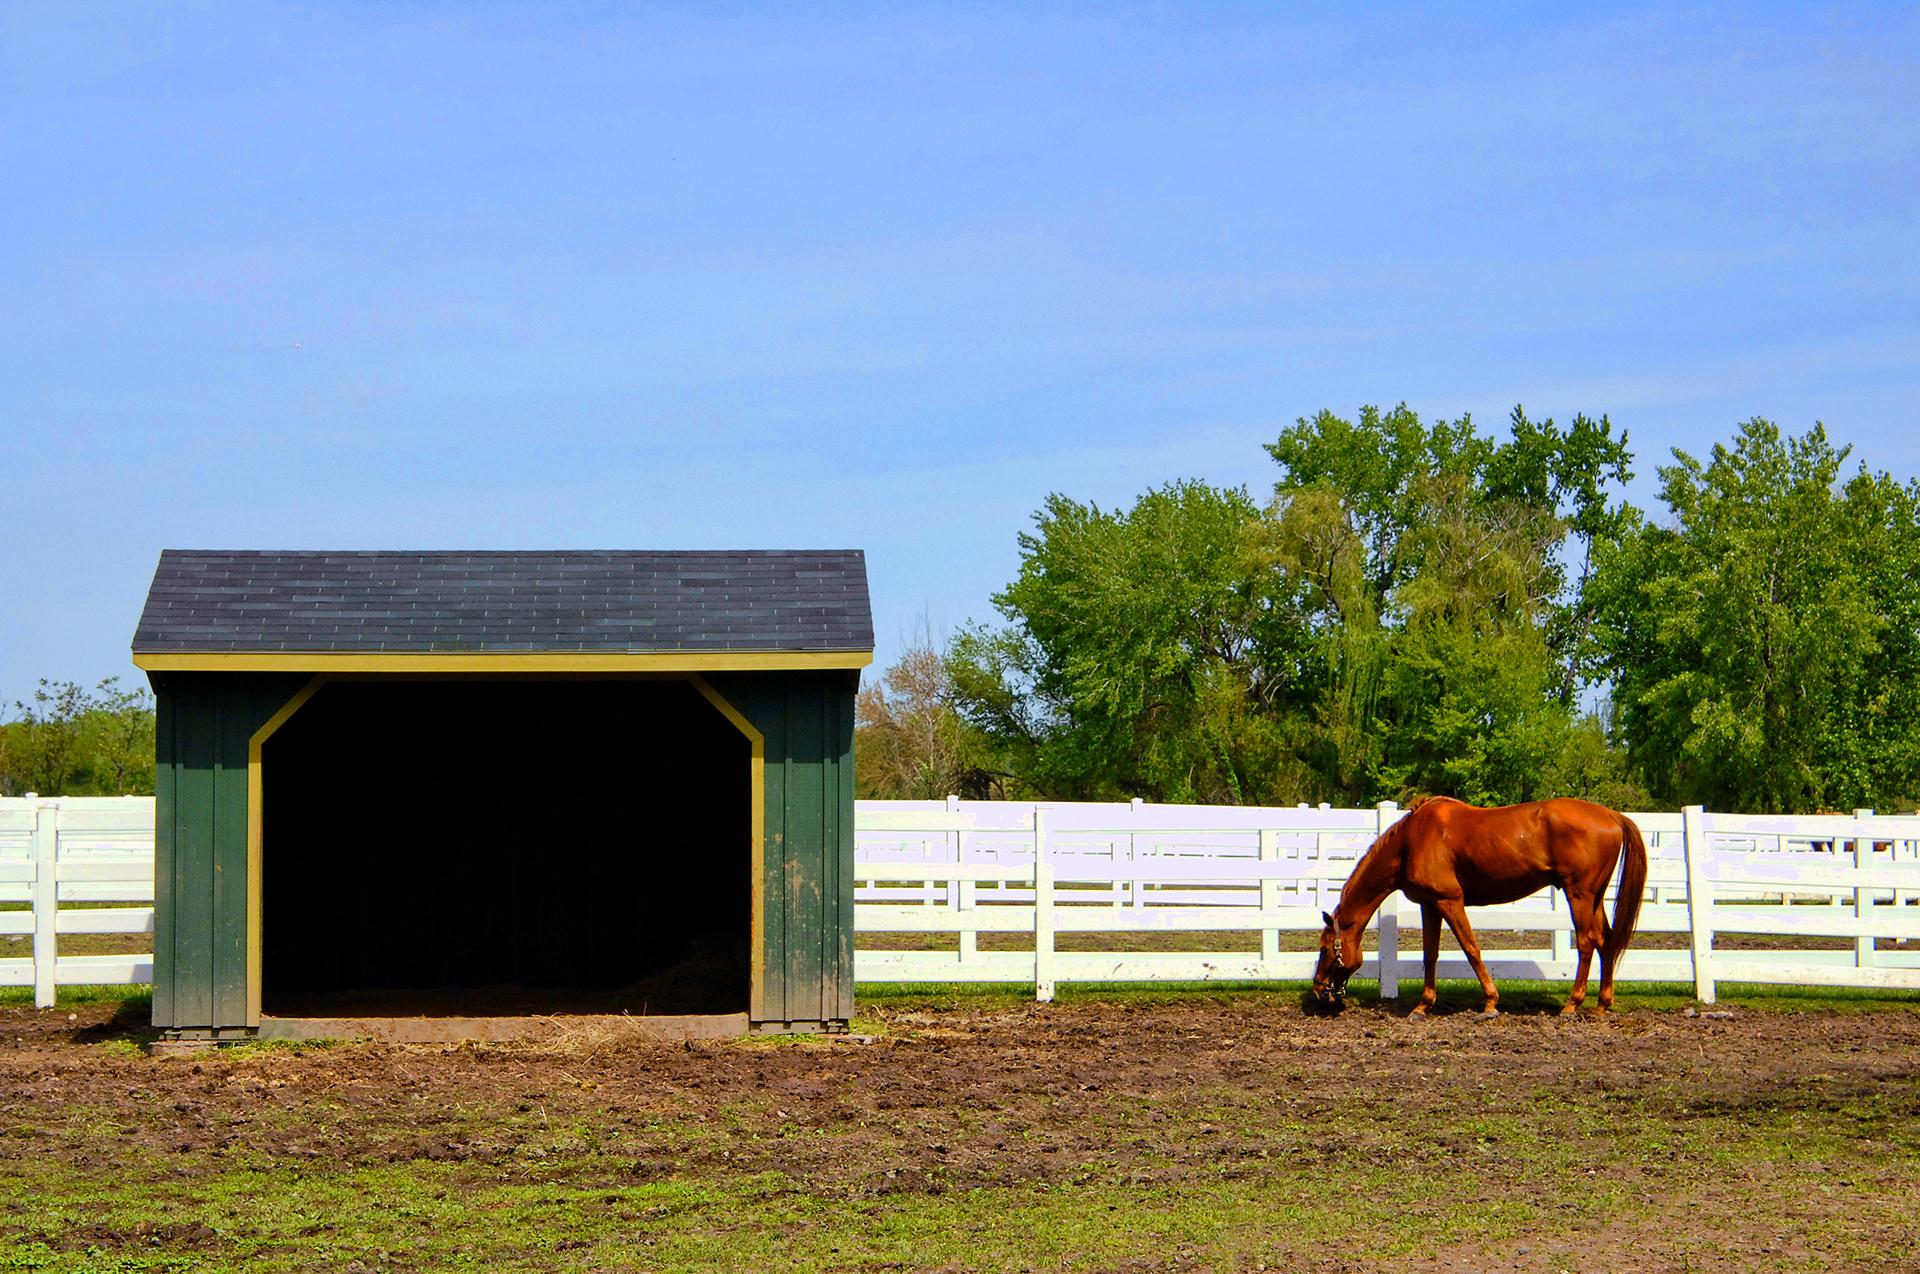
{"points": [[1455, 912], [1589, 923], [1603, 931], [1430, 954]]}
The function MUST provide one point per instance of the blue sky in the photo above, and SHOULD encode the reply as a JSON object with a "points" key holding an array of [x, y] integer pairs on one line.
{"points": [[550, 276]]}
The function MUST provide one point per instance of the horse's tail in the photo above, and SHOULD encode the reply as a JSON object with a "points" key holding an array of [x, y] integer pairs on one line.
{"points": [[1633, 883]]}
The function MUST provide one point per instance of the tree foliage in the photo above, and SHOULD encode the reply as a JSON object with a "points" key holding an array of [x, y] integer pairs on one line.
{"points": [[1411, 612], [913, 742], [71, 741], [1425, 608], [1437, 562], [1764, 646], [1145, 645]]}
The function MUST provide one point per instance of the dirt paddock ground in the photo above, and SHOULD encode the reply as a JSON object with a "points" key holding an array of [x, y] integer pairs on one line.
{"points": [[1133, 1131]]}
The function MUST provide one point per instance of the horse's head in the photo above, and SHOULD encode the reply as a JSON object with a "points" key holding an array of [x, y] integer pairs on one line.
{"points": [[1339, 959]]}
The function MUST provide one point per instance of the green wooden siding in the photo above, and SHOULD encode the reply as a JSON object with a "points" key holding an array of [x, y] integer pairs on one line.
{"points": [[200, 925], [807, 721], [200, 843]]}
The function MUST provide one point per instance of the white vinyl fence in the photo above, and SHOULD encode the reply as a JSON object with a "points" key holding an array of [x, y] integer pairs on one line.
{"points": [[74, 849], [947, 872], [1121, 871]]}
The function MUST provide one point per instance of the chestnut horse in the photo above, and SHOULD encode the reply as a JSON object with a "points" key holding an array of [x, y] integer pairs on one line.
{"points": [[1447, 856]]}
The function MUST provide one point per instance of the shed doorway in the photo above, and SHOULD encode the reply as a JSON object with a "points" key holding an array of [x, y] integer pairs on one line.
{"points": [[493, 848]]}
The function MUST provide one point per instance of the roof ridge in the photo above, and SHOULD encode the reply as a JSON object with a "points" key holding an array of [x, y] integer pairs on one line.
{"points": [[834, 552]]}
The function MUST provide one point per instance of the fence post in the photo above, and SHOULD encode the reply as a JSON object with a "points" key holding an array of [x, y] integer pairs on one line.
{"points": [[1562, 934], [1042, 910], [46, 905], [962, 896], [1698, 854], [1385, 816], [1269, 899], [1136, 888], [1862, 894]]}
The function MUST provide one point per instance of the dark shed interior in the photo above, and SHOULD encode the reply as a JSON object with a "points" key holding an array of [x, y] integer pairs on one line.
{"points": [[506, 847]]}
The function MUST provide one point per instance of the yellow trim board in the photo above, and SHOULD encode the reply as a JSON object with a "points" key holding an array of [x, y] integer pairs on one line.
{"points": [[469, 661], [256, 836], [756, 991]]}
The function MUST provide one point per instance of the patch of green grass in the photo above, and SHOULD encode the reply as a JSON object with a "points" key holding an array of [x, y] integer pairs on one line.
{"points": [[131, 998], [422, 1215], [39, 1256], [1671, 997], [768, 1040], [1516, 995], [1447, 1175], [291, 1047]]}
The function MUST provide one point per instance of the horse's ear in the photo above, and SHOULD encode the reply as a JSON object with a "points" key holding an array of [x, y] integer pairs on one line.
{"points": [[1324, 916]]}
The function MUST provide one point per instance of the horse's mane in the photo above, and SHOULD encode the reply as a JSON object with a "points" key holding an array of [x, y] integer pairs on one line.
{"points": [[1425, 798]]}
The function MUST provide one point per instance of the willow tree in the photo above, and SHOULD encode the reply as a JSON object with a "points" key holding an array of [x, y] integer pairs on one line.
{"points": [[1447, 579]]}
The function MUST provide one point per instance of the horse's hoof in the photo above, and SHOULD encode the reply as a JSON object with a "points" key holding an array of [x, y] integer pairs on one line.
{"points": [[1487, 1015], [1571, 1010]]}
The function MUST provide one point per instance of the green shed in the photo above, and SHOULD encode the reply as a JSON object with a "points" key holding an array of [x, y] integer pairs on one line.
{"points": [[444, 791]]}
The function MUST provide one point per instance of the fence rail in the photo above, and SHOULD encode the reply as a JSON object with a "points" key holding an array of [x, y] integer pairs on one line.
{"points": [[1122, 871], [1141, 876], [58, 852]]}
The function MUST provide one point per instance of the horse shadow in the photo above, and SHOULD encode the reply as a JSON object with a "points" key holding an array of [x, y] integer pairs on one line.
{"points": [[1464, 1000]]}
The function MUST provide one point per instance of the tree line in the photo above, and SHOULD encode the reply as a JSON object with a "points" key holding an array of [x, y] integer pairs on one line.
{"points": [[1421, 608], [67, 740]]}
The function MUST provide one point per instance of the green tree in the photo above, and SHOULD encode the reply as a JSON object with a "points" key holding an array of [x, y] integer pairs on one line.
{"points": [[117, 738], [44, 752], [1411, 613], [913, 742], [1449, 631], [1763, 646], [69, 741], [1144, 653]]}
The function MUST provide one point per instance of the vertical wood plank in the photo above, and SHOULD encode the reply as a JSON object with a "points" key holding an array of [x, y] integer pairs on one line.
{"points": [[805, 854], [1386, 814], [46, 900], [1269, 897], [773, 723], [1694, 846], [1042, 909], [1136, 888], [1562, 933], [962, 896], [836, 902], [234, 724], [193, 857], [1862, 895], [165, 821]]}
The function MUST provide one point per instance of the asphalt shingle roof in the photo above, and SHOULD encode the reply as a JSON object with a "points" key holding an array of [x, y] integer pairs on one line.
{"points": [[213, 600]]}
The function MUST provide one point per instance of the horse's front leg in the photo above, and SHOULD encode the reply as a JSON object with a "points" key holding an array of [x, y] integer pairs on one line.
{"points": [[1455, 912], [1430, 953]]}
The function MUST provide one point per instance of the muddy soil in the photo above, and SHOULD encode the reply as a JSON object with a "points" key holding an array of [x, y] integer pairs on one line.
{"points": [[943, 1098]]}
